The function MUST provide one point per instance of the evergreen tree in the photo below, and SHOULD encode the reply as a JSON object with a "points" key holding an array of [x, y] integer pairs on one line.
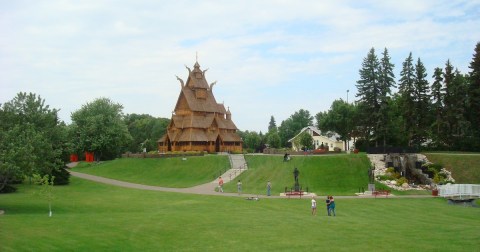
{"points": [[272, 125], [369, 93], [422, 104], [438, 96], [407, 102], [386, 83], [474, 96]]}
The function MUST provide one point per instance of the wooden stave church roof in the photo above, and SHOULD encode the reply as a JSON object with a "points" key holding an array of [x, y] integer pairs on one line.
{"points": [[192, 126]]}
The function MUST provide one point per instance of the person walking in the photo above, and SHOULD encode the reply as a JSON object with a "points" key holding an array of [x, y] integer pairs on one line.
{"points": [[327, 201], [220, 184], [332, 206], [314, 206], [269, 188], [239, 187]]}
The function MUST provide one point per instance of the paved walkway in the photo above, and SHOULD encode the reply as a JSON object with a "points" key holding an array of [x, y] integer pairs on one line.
{"points": [[208, 188]]}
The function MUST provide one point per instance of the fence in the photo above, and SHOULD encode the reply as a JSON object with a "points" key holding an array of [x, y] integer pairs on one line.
{"points": [[462, 191], [161, 155]]}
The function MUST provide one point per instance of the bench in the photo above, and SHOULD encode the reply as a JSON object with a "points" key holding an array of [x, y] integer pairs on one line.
{"points": [[381, 192], [299, 193]]}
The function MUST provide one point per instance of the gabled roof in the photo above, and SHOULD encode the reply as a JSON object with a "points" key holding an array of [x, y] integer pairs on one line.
{"points": [[329, 135]]}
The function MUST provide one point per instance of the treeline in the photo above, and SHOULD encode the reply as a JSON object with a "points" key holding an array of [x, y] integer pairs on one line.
{"points": [[33, 141], [441, 114]]}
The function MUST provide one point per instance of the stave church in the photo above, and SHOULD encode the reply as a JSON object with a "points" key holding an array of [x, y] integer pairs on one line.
{"points": [[198, 122]]}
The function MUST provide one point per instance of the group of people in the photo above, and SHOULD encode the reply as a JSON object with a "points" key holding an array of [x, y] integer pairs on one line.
{"points": [[330, 206], [239, 186], [330, 201]]}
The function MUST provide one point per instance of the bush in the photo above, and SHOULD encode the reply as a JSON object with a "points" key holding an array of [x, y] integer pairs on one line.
{"points": [[384, 177], [8, 189], [62, 176], [401, 180]]}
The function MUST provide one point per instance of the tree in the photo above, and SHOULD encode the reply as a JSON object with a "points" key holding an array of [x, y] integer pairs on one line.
{"points": [[386, 83], [438, 96], [306, 140], [145, 131], [272, 125], [474, 95], [407, 101], [252, 141], [456, 125], [31, 139], [292, 125], [369, 94], [99, 128], [422, 105], [340, 119], [46, 190]]}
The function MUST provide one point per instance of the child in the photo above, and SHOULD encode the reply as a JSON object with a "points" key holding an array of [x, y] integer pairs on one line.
{"points": [[314, 206]]}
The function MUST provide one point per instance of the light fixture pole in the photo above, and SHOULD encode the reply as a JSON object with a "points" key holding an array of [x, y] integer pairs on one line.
{"points": [[347, 94]]}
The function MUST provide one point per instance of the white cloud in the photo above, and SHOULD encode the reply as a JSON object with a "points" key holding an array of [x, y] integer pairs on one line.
{"points": [[269, 57]]}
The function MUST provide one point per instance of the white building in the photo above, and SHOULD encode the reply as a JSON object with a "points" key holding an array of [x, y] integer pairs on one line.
{"points": [[329, 139]]}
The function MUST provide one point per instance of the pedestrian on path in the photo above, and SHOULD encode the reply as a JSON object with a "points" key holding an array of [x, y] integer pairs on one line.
{"points": [[332, 206], [239, 187], [269, 188], [327, 201], [220, 184], [314, 206]]}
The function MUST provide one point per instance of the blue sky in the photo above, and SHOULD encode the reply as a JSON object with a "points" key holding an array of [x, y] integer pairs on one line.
{"points": [[268, 57]]}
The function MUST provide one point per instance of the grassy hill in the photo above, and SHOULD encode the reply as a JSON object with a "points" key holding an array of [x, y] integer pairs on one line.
{"points": [[89, 216], [336, 174], [465, 168], [166, 172]]}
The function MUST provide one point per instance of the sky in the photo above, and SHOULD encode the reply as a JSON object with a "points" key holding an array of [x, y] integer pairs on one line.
{"points": [[269, 58]]}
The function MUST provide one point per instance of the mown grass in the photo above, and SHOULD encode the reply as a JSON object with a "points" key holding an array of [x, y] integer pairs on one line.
{"points": [[90, 216], [166, 172], [323, 175], [465, 167]]}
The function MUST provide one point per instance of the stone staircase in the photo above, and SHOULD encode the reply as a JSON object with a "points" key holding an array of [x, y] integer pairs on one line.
{"points": [[237, 164]]}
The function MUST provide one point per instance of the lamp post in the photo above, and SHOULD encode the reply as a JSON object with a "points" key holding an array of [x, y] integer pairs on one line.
{"points": [[348, 136]]}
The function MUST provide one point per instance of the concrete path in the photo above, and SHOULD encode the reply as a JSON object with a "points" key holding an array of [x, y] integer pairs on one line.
{"points": [[238, 166]]}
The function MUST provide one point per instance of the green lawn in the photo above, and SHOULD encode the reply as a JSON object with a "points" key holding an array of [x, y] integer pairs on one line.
{"points": [[89, 216], [465, 167], [335, 175], [166, 172]]}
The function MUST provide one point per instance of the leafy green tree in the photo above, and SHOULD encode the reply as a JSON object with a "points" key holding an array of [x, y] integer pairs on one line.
{"points": [[99, 128], [252, 141], [46, 191], [474, 96], [369, 94], [306, 140], [31, 139], [145, 131], [340, 119], [273, 139], [292, 125]]}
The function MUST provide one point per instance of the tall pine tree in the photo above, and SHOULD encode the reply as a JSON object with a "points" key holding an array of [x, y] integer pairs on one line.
{"points": [[474, 97], [407, 102], [438, 97], [369, 92], [422, 102], [386, 83]]}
